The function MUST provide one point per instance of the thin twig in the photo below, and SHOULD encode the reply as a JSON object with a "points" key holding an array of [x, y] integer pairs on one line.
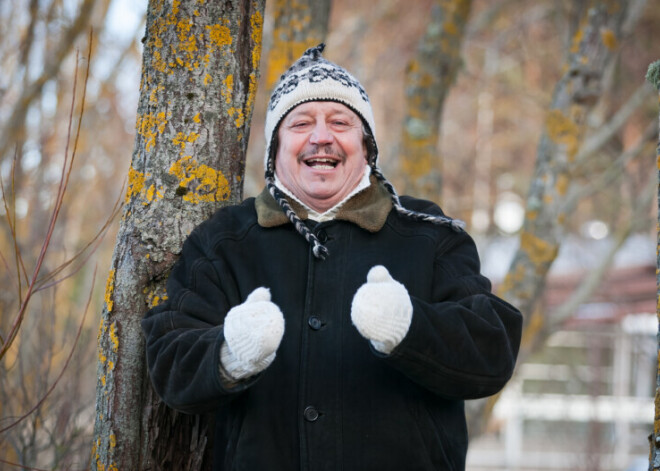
{"points": [[595, 277], [616, 122], [22, 466], [67, 167], [11, 220], [613, 171], [96, 241], [66, 363]]}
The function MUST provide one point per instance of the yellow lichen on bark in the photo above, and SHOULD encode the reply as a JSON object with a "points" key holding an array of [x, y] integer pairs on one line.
{"points": [[292, 36], [562, 130], [282, 55], [577, 38], [514, 279], [135, 184], [531, 214], [154, 298], [149, 126], [182, 140], [136, 187], [220, 35], [114, 338], [153, 96], [562, 184], [109, 290], [424, 150], [237, 115], [152, 194], [209, 185], [538, 251], [227, 89], [257, 24]]}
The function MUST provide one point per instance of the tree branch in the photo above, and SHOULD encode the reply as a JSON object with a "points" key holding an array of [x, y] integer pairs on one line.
{"points": [[12, 132]]}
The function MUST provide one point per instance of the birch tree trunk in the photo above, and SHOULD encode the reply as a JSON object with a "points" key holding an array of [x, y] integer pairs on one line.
{"points": [[653, 76], [298, 25], [428, 79], [575, 95], [199, 80]]}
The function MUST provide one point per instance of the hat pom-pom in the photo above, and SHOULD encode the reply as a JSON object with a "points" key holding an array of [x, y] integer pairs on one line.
{"points": [[315, 52]]}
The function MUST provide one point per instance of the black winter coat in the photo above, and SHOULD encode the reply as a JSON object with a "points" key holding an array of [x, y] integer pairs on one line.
{"points": [[330, 401]]}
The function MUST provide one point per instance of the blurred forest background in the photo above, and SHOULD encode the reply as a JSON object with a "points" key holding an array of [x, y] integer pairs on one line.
{"points": [[64, 176]]}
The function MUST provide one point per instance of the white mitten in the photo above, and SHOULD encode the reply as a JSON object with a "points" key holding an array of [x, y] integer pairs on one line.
{"points": [[382, 310], [253, 331]]}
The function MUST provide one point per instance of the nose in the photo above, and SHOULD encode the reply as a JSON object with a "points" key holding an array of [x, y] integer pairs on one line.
{"points": [[321, 135]]}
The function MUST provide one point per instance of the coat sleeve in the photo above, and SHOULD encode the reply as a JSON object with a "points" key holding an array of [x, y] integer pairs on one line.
{"points": [[462, 344], [184, 334]]}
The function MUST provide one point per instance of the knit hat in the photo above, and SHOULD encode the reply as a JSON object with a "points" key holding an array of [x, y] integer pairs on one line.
{"points": [[314, 78]]}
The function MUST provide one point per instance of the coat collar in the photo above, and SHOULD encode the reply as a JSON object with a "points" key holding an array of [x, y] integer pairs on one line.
{"points": [[368, 209]]}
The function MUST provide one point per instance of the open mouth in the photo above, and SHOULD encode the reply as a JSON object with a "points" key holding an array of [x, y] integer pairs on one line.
{"points": [[322, 163]]}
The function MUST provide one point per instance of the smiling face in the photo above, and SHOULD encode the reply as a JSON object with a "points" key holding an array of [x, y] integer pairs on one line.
{"points": [[321, 155]]}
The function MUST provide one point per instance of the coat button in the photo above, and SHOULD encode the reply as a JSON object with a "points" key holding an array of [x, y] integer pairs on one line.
{"points": [[314, 322], [311, 414], [322, 236]]}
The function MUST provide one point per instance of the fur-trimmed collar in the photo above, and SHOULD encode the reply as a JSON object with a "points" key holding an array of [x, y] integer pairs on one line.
{"points": [[368, 209]]}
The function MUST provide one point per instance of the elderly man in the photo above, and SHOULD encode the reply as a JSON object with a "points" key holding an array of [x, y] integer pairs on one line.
{"points": [[329, 323]]}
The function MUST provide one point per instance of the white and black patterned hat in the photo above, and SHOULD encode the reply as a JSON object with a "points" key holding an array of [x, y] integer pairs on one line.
{"points": [[314, 78]]}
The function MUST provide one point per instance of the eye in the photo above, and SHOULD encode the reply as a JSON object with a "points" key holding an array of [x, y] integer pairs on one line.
{"points": [[340, 123]]}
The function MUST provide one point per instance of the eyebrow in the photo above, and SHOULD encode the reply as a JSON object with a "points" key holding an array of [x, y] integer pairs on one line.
{"points": [[334, 111]]}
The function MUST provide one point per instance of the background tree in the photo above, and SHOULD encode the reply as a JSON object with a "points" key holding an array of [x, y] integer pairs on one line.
{"points": [[594, 45], [653, 76], [429, 77], [564, 151], [199, 81], [297, 25]]}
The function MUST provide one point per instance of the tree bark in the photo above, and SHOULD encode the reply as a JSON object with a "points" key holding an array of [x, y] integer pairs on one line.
{"points": [[653, 76], [298, 25], [428, 79], [199, 80]]}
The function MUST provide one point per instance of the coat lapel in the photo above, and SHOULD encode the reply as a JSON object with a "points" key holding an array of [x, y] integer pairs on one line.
{"points": [[367, 209]]}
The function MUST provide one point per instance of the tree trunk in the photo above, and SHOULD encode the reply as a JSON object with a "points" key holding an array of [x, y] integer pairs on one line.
{"points": [[653, 76], [199, 79], [575, 95], [298, 25], [428, 79]]}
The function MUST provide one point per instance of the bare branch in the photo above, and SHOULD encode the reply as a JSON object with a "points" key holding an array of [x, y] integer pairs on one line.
{"points": [[613, 171], [64, 180], [605, 132], [64, 368], [51, 68], [96, 241], [595, 277]]}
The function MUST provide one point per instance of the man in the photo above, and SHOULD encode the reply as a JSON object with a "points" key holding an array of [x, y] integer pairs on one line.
{"points": [[328, 322]]}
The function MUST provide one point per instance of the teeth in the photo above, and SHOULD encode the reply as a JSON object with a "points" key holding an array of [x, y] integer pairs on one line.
{"points": [[323, 164]]}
